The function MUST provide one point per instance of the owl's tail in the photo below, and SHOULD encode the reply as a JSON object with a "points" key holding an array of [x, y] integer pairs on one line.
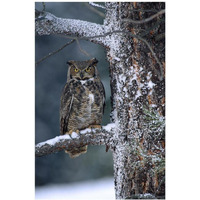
{"points": [[77, 151]]}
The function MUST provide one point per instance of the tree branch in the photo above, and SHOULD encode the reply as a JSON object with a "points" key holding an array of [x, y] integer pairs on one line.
{"points": [[96, 5], [95, 10], [82, 50], [44, 6], [88, 136], [48, 24], [54, 52], [144, 20]]}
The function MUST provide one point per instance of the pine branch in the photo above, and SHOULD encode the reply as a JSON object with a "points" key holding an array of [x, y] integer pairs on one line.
{"points": [[88, 136]]}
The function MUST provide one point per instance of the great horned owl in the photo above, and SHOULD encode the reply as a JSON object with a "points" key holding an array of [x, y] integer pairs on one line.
{"points": [[82, 100]]}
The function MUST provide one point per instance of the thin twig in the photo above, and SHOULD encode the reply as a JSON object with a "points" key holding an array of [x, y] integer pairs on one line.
{"points": [[144, 20], [96, 5], [95, 10], [160, 75], [44, 7], [156, 25], [54, 52], [82, 50], [143, 10]]}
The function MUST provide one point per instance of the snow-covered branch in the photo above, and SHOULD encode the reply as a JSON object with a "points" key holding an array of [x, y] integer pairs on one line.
{"points": [[95, 10], [101, 136], [96, 5], [48, 24]]}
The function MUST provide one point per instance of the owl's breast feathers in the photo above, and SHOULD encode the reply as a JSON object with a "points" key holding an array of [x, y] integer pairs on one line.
{"points": [[82, 104]]}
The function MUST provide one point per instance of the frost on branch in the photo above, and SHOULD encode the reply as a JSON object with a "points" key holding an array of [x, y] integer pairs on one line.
{"points": [[48, 24], [101, 136]]}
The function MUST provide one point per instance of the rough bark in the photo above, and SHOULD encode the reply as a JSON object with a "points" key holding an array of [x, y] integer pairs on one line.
{"points": [[136, 92], [137, 87]]}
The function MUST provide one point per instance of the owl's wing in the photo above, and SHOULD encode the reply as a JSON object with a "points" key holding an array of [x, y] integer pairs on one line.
{"points": [[65, 108], [104, 97], [102, 92]]}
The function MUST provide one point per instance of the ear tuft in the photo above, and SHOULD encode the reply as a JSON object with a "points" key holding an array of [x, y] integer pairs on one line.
{"points": [[94, 61], [69, 62]]}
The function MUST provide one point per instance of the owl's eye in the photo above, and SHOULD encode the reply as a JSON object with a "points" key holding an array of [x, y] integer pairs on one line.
{"points": [[76, 70], [88, 69]]}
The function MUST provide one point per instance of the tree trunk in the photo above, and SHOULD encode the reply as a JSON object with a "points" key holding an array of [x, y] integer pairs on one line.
{"points": [[137, 93]]}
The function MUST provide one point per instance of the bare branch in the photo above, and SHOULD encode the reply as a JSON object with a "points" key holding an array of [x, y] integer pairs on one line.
{"points": [[82, 50], [161, 73], [143, 10], [65, 142], [44, 7], [54, 52], [96, 5], [95, 10], [144, 20]]}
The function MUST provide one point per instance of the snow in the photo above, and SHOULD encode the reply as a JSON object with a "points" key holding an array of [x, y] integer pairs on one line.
{"points": [[54, 140], [64, 26], [108, 127], [102, 189], [134, 77], [117, 59], [125, 92], [138, 94], [151, 84], [122, 78], [74, 135], [96, 5], [85, 131]]}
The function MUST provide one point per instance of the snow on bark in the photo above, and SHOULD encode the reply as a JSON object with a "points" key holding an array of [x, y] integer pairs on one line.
{"points": [[118, 56], [133, 90], [53, 141]]}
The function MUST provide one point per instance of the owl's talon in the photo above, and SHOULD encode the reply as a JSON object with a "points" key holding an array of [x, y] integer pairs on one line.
{"points": [[70, 133], [92, 127], [95, 126]]}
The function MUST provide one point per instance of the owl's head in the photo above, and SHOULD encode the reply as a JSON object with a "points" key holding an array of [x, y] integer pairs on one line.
{"points": [[82, 70]]}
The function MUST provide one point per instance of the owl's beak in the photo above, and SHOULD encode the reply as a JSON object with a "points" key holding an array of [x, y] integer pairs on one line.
{"points": [[81, 75]]}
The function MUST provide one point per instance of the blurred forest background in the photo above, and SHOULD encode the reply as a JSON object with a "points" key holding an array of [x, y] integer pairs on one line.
{"points": [[50, 78]]}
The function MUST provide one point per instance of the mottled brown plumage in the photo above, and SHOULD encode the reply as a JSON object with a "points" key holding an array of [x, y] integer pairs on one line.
{"points": [[82, 100]]}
